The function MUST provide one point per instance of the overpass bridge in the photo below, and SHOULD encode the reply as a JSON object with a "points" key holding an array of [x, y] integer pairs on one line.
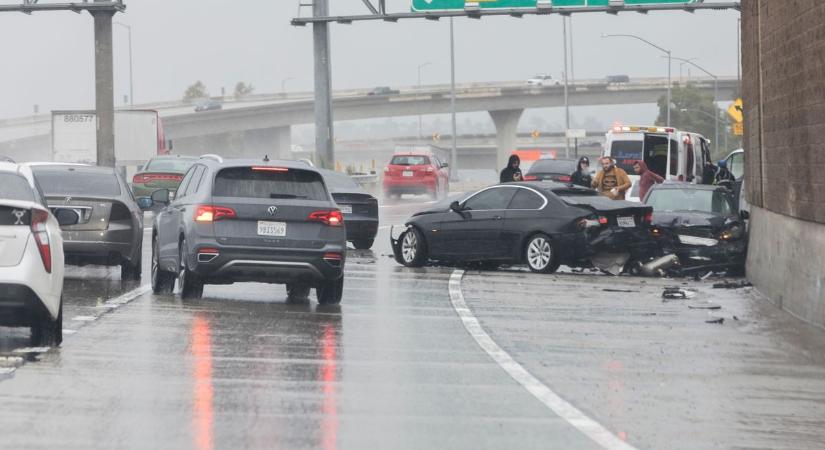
{"points": [[261, 124]]}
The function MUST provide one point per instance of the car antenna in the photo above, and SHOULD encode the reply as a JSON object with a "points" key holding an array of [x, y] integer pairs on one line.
{"points": [[266, 158]]}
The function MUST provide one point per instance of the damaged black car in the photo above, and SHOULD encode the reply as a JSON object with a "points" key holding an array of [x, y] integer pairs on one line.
{"points": [[541, 224], [700, 225]]}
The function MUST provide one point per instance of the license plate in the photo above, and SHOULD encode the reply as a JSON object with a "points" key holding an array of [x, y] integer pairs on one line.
{"points": [[271, 228], [346, 209], [407, 173], [627, 222]]}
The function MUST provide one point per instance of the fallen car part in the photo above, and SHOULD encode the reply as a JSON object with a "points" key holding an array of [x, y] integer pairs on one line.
{"points": [[708, 307], [718, 320], [658, 266], [611, 263], [677, 293], [732, 285]]}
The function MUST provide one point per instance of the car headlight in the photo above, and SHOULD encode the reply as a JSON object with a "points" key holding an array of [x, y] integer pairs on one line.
{"points": [[732, 234], [693, 240]]}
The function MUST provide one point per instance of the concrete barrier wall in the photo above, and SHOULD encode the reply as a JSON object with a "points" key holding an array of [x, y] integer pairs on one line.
{"points": [[786, 262]]}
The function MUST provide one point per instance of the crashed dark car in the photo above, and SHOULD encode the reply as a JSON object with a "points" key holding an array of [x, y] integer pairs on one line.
{"points": [[540, 224], [360, 209], [700, 225]]}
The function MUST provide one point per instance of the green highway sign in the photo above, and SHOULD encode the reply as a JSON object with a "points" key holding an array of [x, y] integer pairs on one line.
{"points": [[447, 5]]}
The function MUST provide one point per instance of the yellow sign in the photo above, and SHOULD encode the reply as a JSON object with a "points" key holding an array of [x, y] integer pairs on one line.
{"points": [[436, 137], [739, 129], [536, 134], [735, 111]]}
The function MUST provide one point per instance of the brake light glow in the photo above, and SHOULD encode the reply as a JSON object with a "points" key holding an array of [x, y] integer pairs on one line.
{"points": [[209, 251], [603, 220], [565, 178], [269, 169], [333, 256], [649, 217], [210, 213], [41, 237], [530, 178], [332, 218]]}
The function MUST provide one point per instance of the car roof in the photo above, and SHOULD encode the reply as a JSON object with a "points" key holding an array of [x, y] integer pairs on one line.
{"points": [[190, 157], [18, 169], [239, 162], [80, 168]]}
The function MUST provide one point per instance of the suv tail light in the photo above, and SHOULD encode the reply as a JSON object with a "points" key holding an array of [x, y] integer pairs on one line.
{"points": [[649, 218], [530, 178], [211, 213], [332, 218], [41, 237]]}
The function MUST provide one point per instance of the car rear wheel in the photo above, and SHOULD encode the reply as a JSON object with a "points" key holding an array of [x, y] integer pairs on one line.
{"points": [[191, 287], [297, 292], [330, 292], [48, 332], [363, 244], [540, 254], [163, 282], [413, 248], [132, 270]]}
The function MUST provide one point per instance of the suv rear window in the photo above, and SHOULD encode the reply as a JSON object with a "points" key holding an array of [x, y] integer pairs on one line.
{"points": [[15, 187], [410, 160], [250, 183], [73, 181]]}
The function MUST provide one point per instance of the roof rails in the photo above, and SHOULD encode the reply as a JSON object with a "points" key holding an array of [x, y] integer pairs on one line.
{"points": [[213, 157]]}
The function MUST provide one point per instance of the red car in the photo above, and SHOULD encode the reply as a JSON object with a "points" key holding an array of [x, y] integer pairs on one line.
{"points": [[416, 173]]}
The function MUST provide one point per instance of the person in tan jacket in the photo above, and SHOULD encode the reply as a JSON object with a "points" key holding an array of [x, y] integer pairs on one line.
{"points": [[612, 181]]}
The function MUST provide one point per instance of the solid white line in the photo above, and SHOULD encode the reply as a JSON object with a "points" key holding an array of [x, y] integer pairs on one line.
{"points": [[544, 394], [129, 296]]}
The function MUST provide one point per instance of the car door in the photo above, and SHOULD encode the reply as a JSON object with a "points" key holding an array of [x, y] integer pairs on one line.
{"points": [[169, 221], [474, 233], [523, 214]]}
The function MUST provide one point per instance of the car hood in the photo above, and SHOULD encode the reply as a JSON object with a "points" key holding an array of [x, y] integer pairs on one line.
{"points": [[677, 219]]}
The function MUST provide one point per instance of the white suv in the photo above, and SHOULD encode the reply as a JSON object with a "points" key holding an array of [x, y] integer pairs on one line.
{"points": [[31, 257], [543, 80]]}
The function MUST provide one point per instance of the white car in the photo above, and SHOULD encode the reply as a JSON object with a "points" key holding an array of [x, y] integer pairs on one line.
{"points": [[31, 257], [543, 80]]}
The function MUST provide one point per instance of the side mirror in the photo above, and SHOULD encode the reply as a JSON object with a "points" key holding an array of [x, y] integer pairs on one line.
{"points": [[145, 203], [455, 206], [160, 196], [67, 217], [445, 165], [744, 215]]}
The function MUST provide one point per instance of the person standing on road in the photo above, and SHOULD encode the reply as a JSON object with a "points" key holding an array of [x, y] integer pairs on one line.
{"points": [[647, 178], [723, 176], [612, 181], [581, 177], [512, 172]]}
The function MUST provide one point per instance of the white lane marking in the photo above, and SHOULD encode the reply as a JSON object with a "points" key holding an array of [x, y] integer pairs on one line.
{"points": [[544, 394], [68, 331], [84, 318], [7, 370], [129, 296], [31, 350]]}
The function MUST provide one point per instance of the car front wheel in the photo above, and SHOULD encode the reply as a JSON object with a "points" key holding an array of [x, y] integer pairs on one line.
{"points": [[540, 255], [413, 248]]}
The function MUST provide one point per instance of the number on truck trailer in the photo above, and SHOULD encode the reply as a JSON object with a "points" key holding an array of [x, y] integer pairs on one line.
{"points": [[78, 118]]}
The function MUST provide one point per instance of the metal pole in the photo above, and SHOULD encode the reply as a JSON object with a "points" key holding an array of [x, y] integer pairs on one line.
{"points": [[454, 149], [104, 88], [324, 133], [669, 66], [131, 72], [566, 96], [738, 54], [716, 111], [572, 66]]}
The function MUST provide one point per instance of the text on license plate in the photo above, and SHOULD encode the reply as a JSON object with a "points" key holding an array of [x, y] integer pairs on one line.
{"points": [[407, 173], [346, 209], [627, 222], [271, 228]]}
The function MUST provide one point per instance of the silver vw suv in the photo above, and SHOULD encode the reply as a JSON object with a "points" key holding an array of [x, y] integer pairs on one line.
{"points": [[248, 221]]}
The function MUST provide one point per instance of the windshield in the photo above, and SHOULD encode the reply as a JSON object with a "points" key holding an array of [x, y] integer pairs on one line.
{"points": [[169, 165], [76, 181], [559, 166], [707, 201], [409, 160], [250, 183], [15, 187]]}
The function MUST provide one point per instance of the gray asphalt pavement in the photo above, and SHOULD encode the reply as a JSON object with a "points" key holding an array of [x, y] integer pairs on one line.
{"points": [[395, 367]]}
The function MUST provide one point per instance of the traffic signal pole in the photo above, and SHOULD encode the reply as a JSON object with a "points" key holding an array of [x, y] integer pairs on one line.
{"points": [[104, 87], [324, 133]]}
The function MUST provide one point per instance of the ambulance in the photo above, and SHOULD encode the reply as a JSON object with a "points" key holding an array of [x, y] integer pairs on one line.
{"points": [[672, 154]]}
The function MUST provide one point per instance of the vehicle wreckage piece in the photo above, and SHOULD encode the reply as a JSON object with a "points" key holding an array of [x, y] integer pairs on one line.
{"points": [[659, 266]]}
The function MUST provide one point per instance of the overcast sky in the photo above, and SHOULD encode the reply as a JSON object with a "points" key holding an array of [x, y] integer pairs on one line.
{"points": [[47, 58]]}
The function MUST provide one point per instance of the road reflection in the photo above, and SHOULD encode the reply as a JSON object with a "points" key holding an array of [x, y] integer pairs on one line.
{"points": [[329, 377], [202, 412]]}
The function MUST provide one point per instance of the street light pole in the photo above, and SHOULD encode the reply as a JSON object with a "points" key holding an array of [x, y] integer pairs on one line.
{"points": [[715, 98], [669, 58], [420, 66], [566, 94], [453, 150], [131, 79]]}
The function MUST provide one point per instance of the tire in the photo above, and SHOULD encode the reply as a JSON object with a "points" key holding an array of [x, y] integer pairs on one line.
{"points": [[48, 332], [163, 282], [413, 248], [297, 292], [540, 254], [131, 271], [330, 292], [363, 244], [191, 287]]}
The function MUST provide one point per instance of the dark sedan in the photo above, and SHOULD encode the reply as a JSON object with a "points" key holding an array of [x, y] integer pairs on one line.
{"points": [[551, 170], [699, 224], [110, 230], [540, 224], [360, 209]]}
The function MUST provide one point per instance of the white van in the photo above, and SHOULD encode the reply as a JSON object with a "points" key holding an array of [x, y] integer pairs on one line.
{"points": [[671, 153]]}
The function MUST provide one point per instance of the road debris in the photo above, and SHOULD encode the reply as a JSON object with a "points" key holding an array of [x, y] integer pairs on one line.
{"points": [[733, 285], [718, 320]]}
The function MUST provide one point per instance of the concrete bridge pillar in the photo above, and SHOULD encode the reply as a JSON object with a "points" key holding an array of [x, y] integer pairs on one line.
{"points": [[275, 142], [506, 123]]}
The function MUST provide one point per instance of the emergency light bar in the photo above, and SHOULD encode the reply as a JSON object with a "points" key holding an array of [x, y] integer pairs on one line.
{"points": [[624, 129]]}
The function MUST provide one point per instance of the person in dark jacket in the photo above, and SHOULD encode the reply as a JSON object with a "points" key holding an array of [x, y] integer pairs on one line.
{"points": [[512, 172], [647, 178], [723, 176], [581, 177]]}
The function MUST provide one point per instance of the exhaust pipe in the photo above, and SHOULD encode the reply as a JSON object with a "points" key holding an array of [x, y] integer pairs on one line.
{"points": [[657, 267]]}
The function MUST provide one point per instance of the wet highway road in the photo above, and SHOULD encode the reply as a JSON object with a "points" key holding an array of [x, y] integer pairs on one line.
{"points": [[395, 366]]}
